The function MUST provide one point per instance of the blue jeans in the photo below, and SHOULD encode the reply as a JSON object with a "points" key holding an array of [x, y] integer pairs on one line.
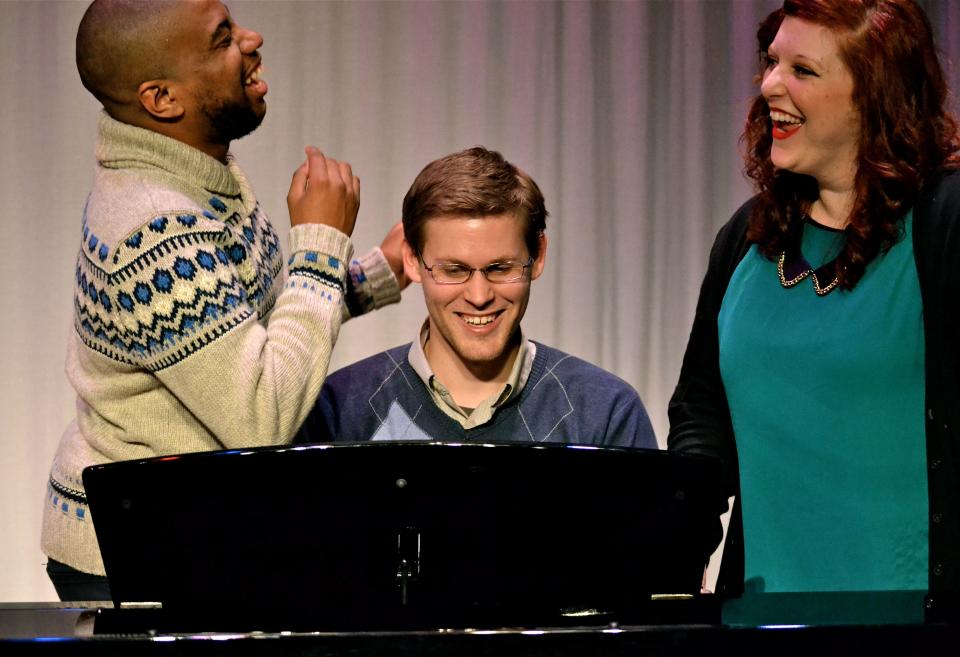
{"points": [[72, 584]]}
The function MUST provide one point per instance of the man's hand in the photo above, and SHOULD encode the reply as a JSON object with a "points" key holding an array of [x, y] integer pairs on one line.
{"points": [[324, 191], [392, 247]]}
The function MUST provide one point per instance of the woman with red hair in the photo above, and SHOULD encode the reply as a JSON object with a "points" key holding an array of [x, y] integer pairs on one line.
{"points": [[823, 365]]}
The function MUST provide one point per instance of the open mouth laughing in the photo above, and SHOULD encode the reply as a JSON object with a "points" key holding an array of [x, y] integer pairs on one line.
{"points": [[253, 80], [784, 124]]}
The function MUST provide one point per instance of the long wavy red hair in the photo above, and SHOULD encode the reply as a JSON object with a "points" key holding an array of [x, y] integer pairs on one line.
{"points": [[908, 135]]}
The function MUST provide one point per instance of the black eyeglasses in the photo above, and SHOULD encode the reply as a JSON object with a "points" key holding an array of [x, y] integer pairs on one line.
{"points": [[450, 273]]}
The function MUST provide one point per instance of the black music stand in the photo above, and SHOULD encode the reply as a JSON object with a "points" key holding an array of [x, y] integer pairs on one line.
{"points": [[406, 535]]}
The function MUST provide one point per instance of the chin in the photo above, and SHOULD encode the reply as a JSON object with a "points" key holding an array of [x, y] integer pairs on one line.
{"points": [[482, 354], [780, 161]]}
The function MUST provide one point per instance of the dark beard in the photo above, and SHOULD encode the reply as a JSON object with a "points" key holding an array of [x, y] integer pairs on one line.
{"points": [[230, 120]]}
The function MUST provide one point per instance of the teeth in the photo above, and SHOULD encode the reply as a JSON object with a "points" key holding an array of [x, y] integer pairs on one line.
{"points": [[255, 76], [477, 321], [783, 117]]}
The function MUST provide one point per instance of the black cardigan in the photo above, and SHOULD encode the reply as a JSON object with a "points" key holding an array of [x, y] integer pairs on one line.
{"points": [[700, 419]]}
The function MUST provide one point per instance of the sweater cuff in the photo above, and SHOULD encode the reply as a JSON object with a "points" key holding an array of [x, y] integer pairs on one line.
{"points": [[370, 284], [323, 239], [381, 280]]}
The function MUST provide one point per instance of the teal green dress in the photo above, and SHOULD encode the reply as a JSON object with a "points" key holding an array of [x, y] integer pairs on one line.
{"points": [[826, 394]]}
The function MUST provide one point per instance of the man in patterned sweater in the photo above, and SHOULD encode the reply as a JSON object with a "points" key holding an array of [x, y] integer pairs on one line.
{"points": [[474, 239], [190, 332]]}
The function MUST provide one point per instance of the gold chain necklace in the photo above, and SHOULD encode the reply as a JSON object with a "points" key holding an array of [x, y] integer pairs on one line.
{"points": [[820, 290]]}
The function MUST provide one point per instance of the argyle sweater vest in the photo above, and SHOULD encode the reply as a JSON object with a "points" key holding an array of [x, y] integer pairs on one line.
{"points": [[565, 400]]}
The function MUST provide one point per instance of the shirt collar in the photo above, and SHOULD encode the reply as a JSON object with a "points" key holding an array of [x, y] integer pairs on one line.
{"points": [[519, 373]]}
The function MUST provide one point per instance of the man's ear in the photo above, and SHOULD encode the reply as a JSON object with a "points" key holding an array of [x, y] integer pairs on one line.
{"points": [[411, 264], [537, 267], [160, 100]]}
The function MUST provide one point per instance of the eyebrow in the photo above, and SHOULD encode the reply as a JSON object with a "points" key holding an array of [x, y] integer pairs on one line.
{"points": [[800, 57], [808, 58], [457, 261]]}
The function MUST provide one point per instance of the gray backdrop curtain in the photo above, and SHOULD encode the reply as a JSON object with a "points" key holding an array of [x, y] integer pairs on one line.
{"points": [[626, 113]]}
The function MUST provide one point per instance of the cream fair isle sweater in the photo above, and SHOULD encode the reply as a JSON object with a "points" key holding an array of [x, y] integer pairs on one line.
{"points": [[190, 333]]}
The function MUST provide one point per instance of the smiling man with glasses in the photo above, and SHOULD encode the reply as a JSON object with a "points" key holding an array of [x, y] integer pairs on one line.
{"points": [[474, 239]]}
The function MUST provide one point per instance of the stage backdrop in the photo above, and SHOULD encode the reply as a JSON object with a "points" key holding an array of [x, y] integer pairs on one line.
{"points": [[626, 113]]}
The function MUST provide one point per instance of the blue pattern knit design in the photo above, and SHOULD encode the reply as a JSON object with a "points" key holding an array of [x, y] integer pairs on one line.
{"points": [[320, 268], [180, 282], [267, 243], [66, 500]]}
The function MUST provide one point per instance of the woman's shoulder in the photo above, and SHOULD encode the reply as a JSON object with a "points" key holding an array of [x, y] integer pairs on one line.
{"points": [[943, 188], [947, 182], [939, 201], [731, 239], [936, 218], [741, 218]]}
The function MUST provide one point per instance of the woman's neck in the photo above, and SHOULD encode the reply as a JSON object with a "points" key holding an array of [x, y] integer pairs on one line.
{"points": [[833, 207]]}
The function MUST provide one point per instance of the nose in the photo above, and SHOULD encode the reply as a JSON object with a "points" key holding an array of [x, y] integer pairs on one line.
{"points": [[478, 291], [772, 83], [249, 40]]}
